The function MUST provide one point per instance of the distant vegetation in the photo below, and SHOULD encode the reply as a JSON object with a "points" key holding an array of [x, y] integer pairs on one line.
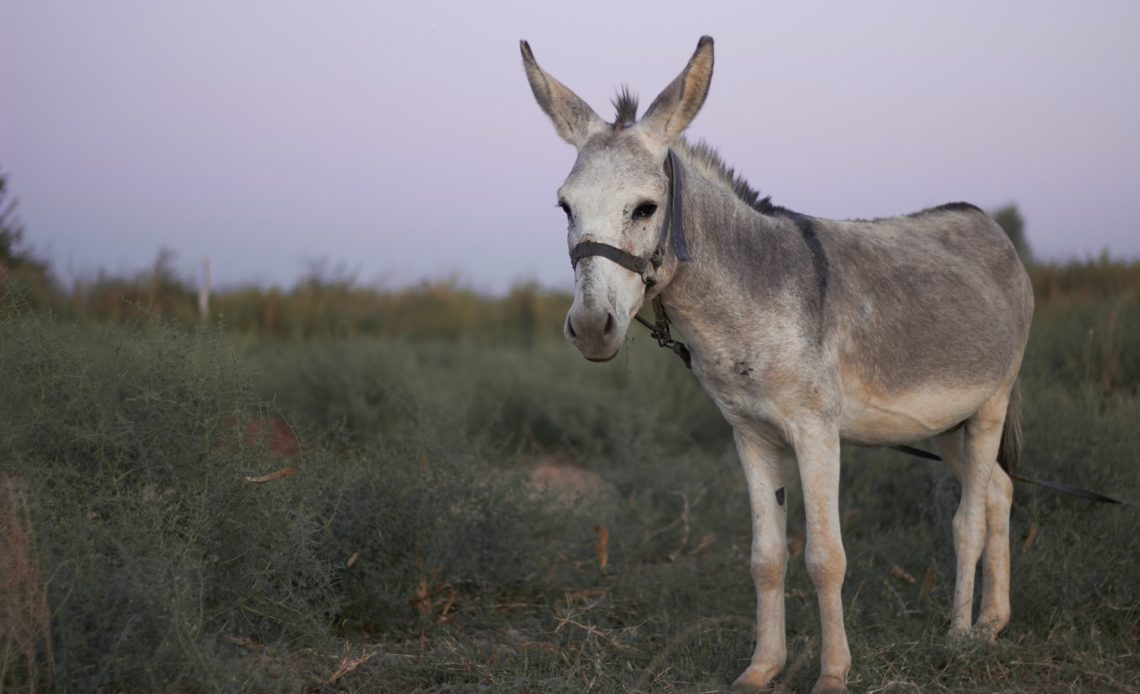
{"points": [[331, 304], [336, 488], [1009, 219]]}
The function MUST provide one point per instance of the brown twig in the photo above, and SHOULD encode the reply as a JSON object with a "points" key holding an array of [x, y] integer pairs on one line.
{"points": [[602, 546], [902, 574], [1030, 537], [590, 630], [927, 581], [347, 665], [284, 472]]}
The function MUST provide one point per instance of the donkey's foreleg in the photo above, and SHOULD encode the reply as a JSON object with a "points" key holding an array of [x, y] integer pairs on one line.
{"points": [[817, 451], [982, 439], [764, 472]]}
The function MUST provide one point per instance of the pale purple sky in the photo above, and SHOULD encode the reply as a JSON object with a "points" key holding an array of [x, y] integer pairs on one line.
{"points": [[402, 140]]}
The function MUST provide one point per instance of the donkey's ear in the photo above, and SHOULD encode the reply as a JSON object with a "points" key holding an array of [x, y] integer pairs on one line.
{"points": [[677, 106], [573, 118]]}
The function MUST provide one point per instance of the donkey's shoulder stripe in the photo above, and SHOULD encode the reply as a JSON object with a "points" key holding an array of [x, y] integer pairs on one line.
{"points": [[815, 246]]}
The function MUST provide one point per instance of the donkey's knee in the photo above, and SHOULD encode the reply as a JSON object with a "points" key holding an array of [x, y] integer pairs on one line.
{"points": [[999, 496], [826, 564], [769, 564], [999, 502], [970, 530]]}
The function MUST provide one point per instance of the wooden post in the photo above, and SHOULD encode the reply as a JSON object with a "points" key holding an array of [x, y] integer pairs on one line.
{"points": [[204, 291]]}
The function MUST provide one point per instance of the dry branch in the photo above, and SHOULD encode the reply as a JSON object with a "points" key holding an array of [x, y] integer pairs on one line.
{"points": [[1029, 538], [347, 665], [602, 546], [284, 472], [902, 574]]}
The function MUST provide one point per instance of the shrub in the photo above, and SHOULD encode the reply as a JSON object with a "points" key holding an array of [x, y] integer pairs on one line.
{"points": [[158, 551]]}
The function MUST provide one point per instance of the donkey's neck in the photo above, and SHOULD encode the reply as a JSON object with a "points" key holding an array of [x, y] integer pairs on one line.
{"points": [[747, 267]]}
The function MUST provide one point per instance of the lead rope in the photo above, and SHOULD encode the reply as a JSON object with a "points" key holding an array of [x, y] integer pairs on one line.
{"points": [[659, 331], [1060, 487]]}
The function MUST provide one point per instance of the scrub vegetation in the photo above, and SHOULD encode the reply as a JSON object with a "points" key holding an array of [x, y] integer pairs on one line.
{"points": [[333, 488]]}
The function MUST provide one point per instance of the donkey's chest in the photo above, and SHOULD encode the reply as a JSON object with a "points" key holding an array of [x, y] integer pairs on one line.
{"points": [[749, 387]]}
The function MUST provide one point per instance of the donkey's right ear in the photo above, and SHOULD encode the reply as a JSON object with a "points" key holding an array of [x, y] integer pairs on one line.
{"points": [[573, 118]]}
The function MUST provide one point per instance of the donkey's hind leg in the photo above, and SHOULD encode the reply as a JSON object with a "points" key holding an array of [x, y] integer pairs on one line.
{"points": [[995, 609], [981, 438], [995, 559]]}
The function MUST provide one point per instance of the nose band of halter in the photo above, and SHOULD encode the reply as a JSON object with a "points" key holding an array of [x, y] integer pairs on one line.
{"points": [[670, 227], [634, 263]]}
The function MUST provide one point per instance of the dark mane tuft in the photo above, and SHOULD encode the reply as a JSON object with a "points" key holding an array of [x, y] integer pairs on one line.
{"points": [[949, 207], [626, 105], [708, 157]]}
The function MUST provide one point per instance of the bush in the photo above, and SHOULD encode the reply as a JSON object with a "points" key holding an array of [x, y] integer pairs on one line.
{"points": [[158, 551]]}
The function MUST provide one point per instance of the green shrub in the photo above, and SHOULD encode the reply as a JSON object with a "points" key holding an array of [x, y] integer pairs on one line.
{"points": [[131, 448]]}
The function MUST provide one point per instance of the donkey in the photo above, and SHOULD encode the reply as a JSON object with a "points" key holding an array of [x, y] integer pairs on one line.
{"points": [[805, 332]]}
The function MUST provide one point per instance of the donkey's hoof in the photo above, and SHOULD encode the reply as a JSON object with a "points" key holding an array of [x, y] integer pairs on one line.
{"points": [[984, 632], [829, 684], [987, 628], [757, 678], [957, 637]]}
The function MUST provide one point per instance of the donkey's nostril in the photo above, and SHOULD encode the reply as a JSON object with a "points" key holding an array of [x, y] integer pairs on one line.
{"points": [[570, 327], [609, 328]]}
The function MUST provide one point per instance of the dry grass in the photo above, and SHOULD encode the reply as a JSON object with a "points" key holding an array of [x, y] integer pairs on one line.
{"points": [[25, 622]]}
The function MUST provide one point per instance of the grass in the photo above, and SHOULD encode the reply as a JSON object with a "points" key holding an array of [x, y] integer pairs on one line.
{"points": [[411, 549]]}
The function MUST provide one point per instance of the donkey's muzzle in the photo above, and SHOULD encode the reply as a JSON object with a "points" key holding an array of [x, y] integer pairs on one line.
{"points": [[594, 331]]}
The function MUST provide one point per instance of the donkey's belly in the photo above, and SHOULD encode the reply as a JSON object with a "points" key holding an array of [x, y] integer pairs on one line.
{"points": [[878, 419]]}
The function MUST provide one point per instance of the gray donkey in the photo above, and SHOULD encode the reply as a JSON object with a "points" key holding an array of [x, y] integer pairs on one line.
{"points": [[805, 332]]}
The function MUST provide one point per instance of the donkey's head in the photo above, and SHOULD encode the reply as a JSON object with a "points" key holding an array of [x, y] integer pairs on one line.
{"points": [[617, 196]]}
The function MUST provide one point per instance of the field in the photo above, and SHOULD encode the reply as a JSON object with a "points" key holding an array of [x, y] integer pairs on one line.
{"points": [[331, 489]]}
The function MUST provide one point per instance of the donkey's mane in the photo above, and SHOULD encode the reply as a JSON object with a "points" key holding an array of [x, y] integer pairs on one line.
{"points": [[702, 154]]}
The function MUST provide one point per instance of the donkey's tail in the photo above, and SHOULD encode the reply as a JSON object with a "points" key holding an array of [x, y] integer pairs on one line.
{"points": [[1009, 453]]}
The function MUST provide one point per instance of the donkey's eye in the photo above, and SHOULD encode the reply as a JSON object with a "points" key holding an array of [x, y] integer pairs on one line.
{"points": [[644, 211], [566, 208]]}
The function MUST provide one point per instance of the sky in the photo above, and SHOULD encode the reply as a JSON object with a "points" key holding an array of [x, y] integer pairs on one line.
{"points": [[400, 141]]}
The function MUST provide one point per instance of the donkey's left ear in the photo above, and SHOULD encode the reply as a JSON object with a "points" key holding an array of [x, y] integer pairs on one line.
{"points": [[677, 106]]}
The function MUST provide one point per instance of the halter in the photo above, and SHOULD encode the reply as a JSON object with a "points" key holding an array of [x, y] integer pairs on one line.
{"points": [[647, 268]]}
